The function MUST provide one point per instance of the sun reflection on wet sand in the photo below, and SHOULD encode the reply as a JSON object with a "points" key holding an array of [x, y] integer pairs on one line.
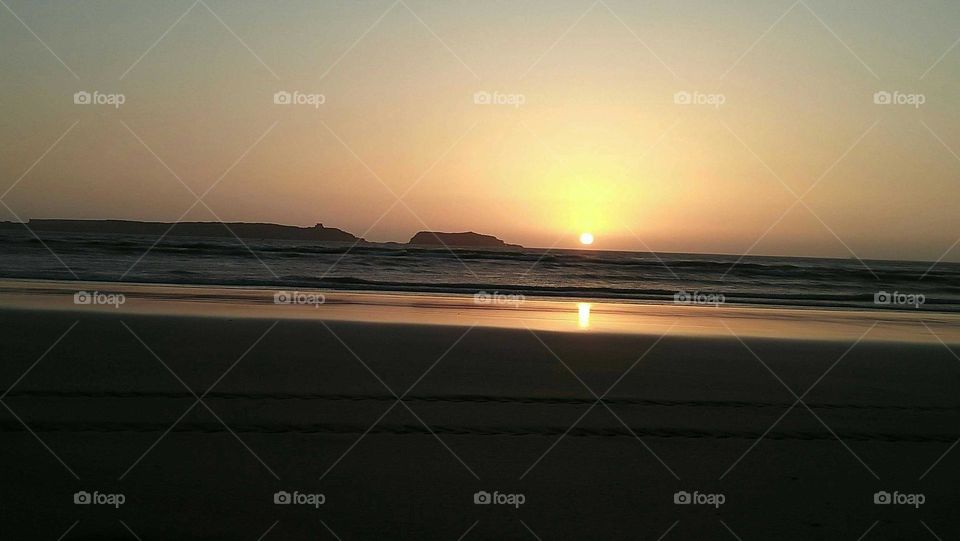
{"points": [[583, 315]]}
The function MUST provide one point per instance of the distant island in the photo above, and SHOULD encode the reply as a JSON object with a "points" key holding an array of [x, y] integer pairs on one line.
{"points": [[252, 231], [466, 239]]}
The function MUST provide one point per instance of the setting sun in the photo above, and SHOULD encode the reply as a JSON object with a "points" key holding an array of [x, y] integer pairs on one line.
{"points": [[586, 238]]}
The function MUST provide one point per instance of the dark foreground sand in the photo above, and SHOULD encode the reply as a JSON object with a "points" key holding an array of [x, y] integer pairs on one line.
{"points": [[311, 408]]}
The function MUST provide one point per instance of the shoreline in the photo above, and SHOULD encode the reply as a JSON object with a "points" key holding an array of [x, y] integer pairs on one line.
{"points": [[581, 315]]}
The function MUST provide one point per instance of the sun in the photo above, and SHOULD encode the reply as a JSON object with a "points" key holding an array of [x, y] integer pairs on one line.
{"points": [[586, 238]]}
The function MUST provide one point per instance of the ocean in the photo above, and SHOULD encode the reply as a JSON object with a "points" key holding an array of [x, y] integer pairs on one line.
{"points": [[630, 276]]}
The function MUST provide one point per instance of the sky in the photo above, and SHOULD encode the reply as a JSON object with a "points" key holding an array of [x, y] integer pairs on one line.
{"points": [[677, 126]]}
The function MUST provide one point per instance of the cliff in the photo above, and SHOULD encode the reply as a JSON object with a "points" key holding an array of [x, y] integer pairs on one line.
{"points": [[191, 229]]}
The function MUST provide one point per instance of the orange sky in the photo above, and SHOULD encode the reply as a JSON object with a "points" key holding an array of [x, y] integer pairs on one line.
{"points": [[531, 122]]}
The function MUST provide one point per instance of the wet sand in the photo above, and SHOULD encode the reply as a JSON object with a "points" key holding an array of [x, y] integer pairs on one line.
{"points": [[306, 400]]}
